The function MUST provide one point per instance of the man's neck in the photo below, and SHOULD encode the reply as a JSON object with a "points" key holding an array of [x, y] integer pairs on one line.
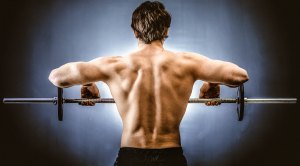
{"points": [[154, 44]]}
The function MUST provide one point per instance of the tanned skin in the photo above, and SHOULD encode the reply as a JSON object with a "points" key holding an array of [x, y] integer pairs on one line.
{"points": [[151, 87]]}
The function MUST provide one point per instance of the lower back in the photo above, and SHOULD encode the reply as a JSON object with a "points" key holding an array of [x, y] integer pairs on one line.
{"points": [[158, 90], [144, 139]]}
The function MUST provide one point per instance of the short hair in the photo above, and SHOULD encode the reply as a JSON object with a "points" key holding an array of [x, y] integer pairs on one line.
{"points": [[151, 21]]}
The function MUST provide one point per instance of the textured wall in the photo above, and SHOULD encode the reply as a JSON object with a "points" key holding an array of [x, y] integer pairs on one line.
{"points": [[37, 36]]}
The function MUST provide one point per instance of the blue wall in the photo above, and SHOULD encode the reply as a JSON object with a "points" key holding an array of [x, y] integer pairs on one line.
{"points": [[37, 36]]}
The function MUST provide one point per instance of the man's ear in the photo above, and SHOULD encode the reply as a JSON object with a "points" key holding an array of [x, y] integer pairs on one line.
{"points": [[135, 33], [167, 33]]}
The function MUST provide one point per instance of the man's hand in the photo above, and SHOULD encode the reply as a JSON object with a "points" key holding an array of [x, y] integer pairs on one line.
{"points": [[210, 90], [89, 91]]}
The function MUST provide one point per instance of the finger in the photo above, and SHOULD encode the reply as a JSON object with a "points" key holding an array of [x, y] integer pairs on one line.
{"points": [[82, 103], [201, 95], [204, 88], [208, 103], [215, 103], [212, 103], [92, 103], [87, 103]]}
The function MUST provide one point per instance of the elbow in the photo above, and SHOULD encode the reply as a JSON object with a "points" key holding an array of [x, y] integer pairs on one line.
{"points": [[242, 76], [238, 77], [56, 79]]}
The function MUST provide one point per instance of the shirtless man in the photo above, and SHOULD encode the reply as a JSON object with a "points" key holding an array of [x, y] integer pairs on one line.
{"points": [[151, 87]]}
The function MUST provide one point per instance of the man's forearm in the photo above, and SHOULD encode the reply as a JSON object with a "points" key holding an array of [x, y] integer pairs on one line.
{"points": [[216, 84], [88, 84]]}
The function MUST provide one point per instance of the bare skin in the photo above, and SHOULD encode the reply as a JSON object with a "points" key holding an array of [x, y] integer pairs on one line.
{"points": [[151, 87]]}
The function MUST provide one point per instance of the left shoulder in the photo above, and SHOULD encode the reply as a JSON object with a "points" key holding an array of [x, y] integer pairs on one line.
{"points": [[108, 59]]}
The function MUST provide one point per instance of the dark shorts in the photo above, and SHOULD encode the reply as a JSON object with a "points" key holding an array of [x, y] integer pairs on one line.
{"points": [[150, 157]]}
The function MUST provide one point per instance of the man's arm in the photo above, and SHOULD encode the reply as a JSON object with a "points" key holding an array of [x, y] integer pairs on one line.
{"points": [[216, 71], [80, 73]]}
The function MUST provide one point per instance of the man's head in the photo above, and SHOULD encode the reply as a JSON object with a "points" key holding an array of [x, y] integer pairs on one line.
{"points": [[150, 22]]}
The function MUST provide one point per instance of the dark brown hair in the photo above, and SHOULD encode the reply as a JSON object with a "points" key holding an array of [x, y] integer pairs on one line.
{"points": [[151, 21]]}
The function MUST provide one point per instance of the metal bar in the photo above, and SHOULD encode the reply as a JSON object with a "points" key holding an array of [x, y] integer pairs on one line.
{"points": [[111, 100], [100, 100], [30, 100], [200, 100], [272, 100], [191, 100], [221, 100]]}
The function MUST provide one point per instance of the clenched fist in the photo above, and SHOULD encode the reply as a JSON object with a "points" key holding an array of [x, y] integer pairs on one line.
{"points": [[210, 90], [89, 91]]}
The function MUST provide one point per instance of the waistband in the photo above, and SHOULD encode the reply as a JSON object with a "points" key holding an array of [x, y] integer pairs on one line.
{"points": [[169, 151]]}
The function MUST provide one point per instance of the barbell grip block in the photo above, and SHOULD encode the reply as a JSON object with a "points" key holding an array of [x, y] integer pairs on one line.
{"points": [[60, 101], [241, 102]]}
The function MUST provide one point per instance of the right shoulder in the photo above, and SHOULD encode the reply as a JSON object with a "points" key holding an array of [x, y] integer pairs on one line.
{"points": [[194, 63], [191, 59], [190, 55]]}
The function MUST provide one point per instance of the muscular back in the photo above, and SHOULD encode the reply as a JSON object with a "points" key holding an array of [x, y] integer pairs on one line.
{"points": [[151, 88]]}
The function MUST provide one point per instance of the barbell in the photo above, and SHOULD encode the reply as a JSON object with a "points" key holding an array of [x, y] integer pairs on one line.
{"points": [[240, 100]]}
